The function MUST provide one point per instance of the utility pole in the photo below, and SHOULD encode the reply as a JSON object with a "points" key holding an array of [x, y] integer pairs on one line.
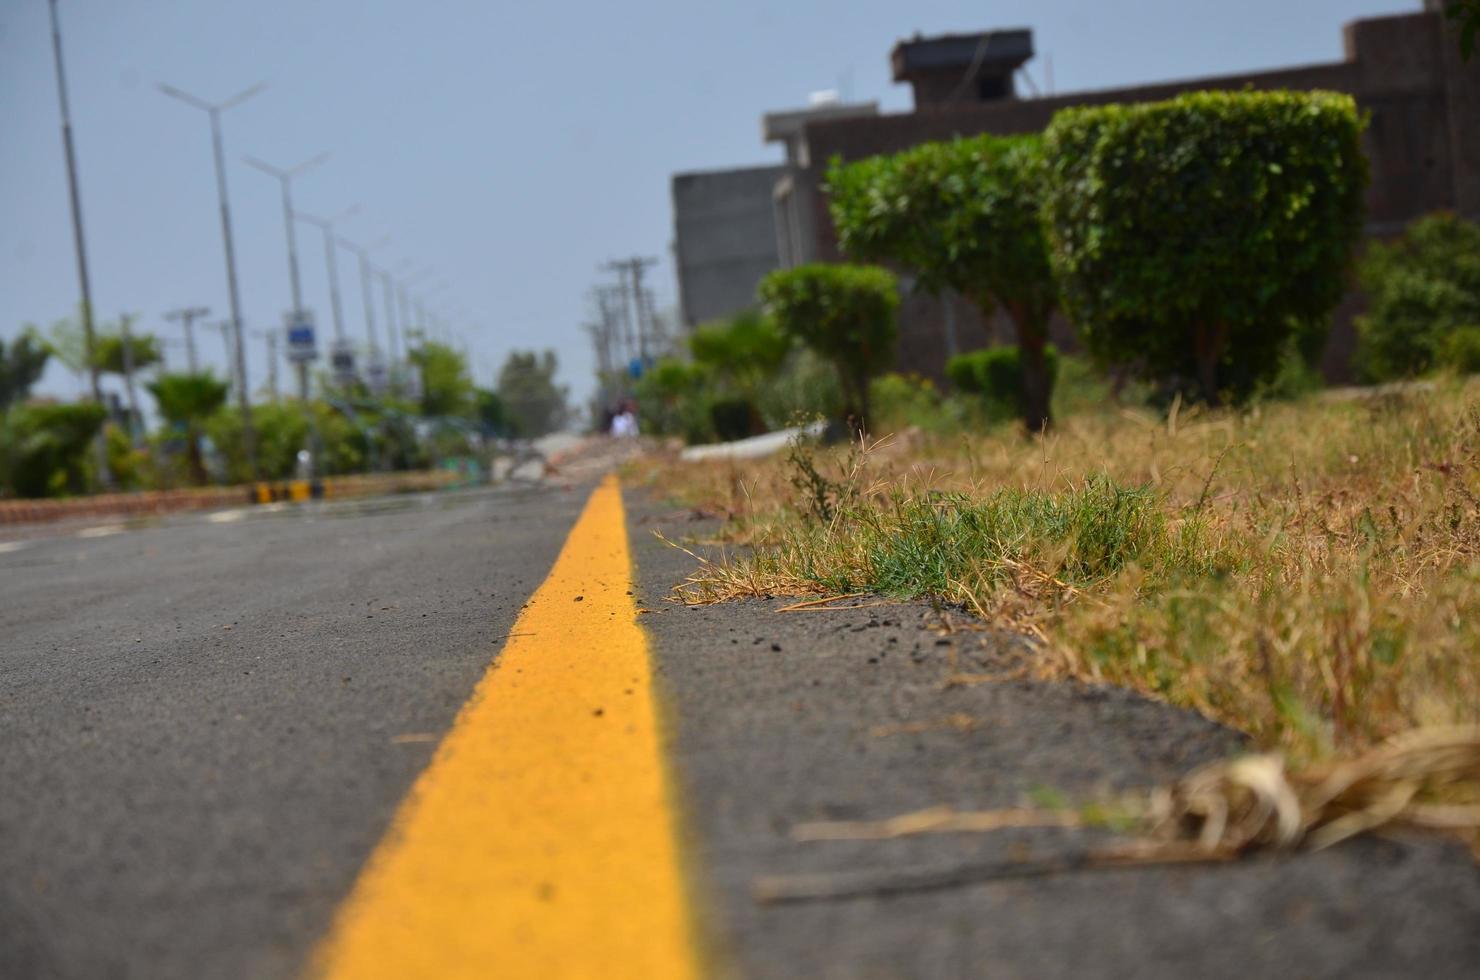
{"points": [[326, 225], [285, 179], [79, 242], [188, 315], [390, 315], [232, 380], [368, 304], [249, 434], [126, 343], [630, 273], [271, 336]]}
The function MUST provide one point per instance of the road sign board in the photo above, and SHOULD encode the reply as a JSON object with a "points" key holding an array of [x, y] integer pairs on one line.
{"points": [[302, 346], [342, 359]]}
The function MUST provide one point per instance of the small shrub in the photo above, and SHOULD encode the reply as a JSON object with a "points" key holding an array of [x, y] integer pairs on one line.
{"points": [[734, 418], [846, 313], [995, 375], [1197, 236], [1423, 288]]}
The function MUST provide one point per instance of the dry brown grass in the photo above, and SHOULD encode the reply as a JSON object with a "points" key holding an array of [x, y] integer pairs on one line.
{"points": [[1306, 572]]}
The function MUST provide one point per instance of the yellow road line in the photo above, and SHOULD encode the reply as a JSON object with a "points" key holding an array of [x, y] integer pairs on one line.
{"points": [[540, 842]]}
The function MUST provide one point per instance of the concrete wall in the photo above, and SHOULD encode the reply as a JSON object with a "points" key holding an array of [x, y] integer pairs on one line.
{"points": [[724, 233], [1423, 143]]}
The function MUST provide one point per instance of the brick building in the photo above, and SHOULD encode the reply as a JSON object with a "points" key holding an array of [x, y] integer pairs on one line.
{"points": [[1423, 142]]}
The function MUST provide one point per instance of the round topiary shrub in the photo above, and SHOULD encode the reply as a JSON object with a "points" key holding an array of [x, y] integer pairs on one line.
{"points": [[1202, 236]]}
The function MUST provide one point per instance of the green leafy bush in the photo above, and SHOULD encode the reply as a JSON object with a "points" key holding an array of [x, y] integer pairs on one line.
{"points": [[673, 400], [846, 313], [44, 448], [963, 215], [1423, 288], [744, 350], [995, 375], [1460, 350], [1197, 236]]}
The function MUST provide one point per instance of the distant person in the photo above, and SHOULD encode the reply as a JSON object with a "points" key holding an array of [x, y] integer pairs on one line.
{"points": [[624, 423]]}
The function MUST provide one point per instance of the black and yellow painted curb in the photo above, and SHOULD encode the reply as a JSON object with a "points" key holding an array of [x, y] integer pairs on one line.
{"points": [[289, 490]]}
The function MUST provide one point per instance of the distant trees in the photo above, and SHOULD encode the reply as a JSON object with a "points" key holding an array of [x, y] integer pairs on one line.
{"points": [[963, 215], [446, 386], [1204, 236], [1424, 309], [533, 403], [846, 314]]}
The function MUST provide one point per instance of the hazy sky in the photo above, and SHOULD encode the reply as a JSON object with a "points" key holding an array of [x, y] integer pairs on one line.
{"points": [[512, 146]]}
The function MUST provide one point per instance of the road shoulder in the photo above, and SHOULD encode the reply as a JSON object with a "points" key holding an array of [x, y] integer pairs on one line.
{"points": [[784, 718]]}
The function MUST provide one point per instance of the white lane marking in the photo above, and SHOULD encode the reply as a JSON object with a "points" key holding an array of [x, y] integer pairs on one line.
{"points": [[101, 531], [6, 546], [226, 516]]}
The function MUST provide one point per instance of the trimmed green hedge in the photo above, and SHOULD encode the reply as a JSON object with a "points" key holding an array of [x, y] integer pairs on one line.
{"points": [[1199, 235], [995, 374]]}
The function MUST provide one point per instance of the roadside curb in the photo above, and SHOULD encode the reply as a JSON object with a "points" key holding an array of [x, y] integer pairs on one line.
{"points": [[156, 502]]}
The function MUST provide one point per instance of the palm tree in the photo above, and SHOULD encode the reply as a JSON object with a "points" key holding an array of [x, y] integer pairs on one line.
{"points": [[188, 400]]}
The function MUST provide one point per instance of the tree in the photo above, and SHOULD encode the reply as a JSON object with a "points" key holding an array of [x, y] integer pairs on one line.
{"points": [[526, 385], [1424, 289], [108, 352], [846, 313], [1204, 235], [962, 215], [446, 387], [21, 366], [1466, 16], [187, 401], [492, 415]]}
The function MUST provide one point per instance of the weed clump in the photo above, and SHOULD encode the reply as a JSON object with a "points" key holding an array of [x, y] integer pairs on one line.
{"points": [[1307, 572]]}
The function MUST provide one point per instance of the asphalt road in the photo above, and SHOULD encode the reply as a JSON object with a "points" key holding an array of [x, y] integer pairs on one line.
{"points": [[207, 725]]}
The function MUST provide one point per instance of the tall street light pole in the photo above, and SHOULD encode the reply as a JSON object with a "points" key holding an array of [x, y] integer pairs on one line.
{"points": [[296, 315], [285, 179], [326, 225], [363, 252], [79, 242], [243, 396]]}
